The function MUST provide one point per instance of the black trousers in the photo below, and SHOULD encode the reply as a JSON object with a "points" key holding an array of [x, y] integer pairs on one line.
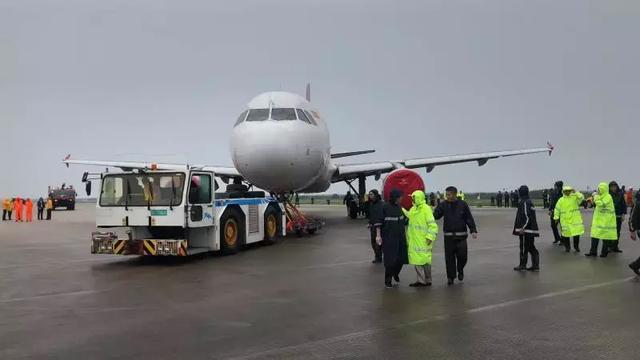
{"points": [[567, 242], [554, 228], [377, 249], [606, 246], [527, 247], [10, 213], [48, 214], [455, 254], [391, 271], [614, 244], [4, 215], [40, 214]]}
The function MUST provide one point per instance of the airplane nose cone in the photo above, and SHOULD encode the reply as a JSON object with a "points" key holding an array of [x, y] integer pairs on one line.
{"points": [[274, 156]]}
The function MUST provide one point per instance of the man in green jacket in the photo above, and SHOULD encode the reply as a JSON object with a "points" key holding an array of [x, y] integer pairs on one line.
{"points": [[603, 226], [421, 235], [567, 213]]}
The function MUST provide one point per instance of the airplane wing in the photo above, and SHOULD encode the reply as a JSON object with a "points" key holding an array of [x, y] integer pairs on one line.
{"points": [[350, 153], [221, 171], [353, 171]]}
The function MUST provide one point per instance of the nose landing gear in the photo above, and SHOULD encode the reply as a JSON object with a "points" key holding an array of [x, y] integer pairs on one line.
{"points": [[297, 222]]}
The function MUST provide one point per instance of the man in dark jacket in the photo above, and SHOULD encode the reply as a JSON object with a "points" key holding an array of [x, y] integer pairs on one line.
{"points": [[621, 210], [556, 194], [526, 228], [499, 198], [40, 209], [545, 198], [375, 216], [391, 236], [515, 200], [506, 199], [457, 218], [634, 228]]}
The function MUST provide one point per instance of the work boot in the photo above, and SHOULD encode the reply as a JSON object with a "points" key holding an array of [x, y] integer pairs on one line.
{"points": [[533, 268], [520, 268], [634, 269], [617, 250], [577, 250], [604, 255], [460, 276], [376, 261], [590, 254], [388, 284], [396, 278], [449, 281]]}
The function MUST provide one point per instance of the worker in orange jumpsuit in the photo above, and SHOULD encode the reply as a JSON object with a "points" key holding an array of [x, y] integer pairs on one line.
{"points": [[17, 209], [29, 210]]}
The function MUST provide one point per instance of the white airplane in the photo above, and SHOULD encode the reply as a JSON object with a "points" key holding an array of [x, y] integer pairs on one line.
{"points": [[281, 144]]}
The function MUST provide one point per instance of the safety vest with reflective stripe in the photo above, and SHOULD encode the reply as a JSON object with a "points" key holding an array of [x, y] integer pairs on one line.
{"points": [[568, 212], [604, 226], [422, 231]]}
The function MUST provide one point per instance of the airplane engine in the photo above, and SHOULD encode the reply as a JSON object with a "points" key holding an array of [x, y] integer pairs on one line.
{"points": [[405, 180]]}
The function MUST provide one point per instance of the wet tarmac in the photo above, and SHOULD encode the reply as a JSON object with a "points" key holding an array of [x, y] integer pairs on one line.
{"points": [[309, 298]]}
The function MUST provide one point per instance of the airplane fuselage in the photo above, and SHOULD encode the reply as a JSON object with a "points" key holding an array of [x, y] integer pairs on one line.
{"points": [[281, 144]]}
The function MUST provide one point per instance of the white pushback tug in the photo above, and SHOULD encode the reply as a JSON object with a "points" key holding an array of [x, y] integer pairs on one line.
{"points": [[179, 213]]}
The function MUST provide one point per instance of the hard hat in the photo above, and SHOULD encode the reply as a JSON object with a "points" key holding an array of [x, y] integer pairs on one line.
{"points": [[567, 188]]}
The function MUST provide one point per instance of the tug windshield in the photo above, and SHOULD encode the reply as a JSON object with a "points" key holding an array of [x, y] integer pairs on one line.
{"points": [[142, 189]]}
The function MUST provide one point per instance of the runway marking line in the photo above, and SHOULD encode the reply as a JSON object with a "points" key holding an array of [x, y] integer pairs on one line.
{"points": [[476, 310]]}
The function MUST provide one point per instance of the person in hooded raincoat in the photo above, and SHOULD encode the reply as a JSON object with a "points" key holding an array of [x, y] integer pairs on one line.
{"points": [[526, 228], [603, 225], [392, 237], [567, 213], [421, 235]]}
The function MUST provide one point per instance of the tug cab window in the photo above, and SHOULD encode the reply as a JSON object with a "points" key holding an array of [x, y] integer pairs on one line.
{"points": [[200, 189], [283, 114], [258, 115]]}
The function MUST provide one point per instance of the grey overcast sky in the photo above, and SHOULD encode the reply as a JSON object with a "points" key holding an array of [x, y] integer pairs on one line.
{"points": [[165, 81]]}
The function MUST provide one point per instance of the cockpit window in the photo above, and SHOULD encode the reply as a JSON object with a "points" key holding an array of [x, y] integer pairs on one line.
{"points": [[258, 115], [241, 117], [313, 121], [302, 116], [283, 114]]}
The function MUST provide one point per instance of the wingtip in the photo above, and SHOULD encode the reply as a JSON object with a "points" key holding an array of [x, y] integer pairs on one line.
{"points": [[550, 147], [66, 158]]}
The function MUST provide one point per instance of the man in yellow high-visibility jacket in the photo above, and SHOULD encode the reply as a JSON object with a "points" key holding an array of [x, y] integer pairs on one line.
{"points": [[567, 213], [603, 226], [6, 207], [421, 235]]}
